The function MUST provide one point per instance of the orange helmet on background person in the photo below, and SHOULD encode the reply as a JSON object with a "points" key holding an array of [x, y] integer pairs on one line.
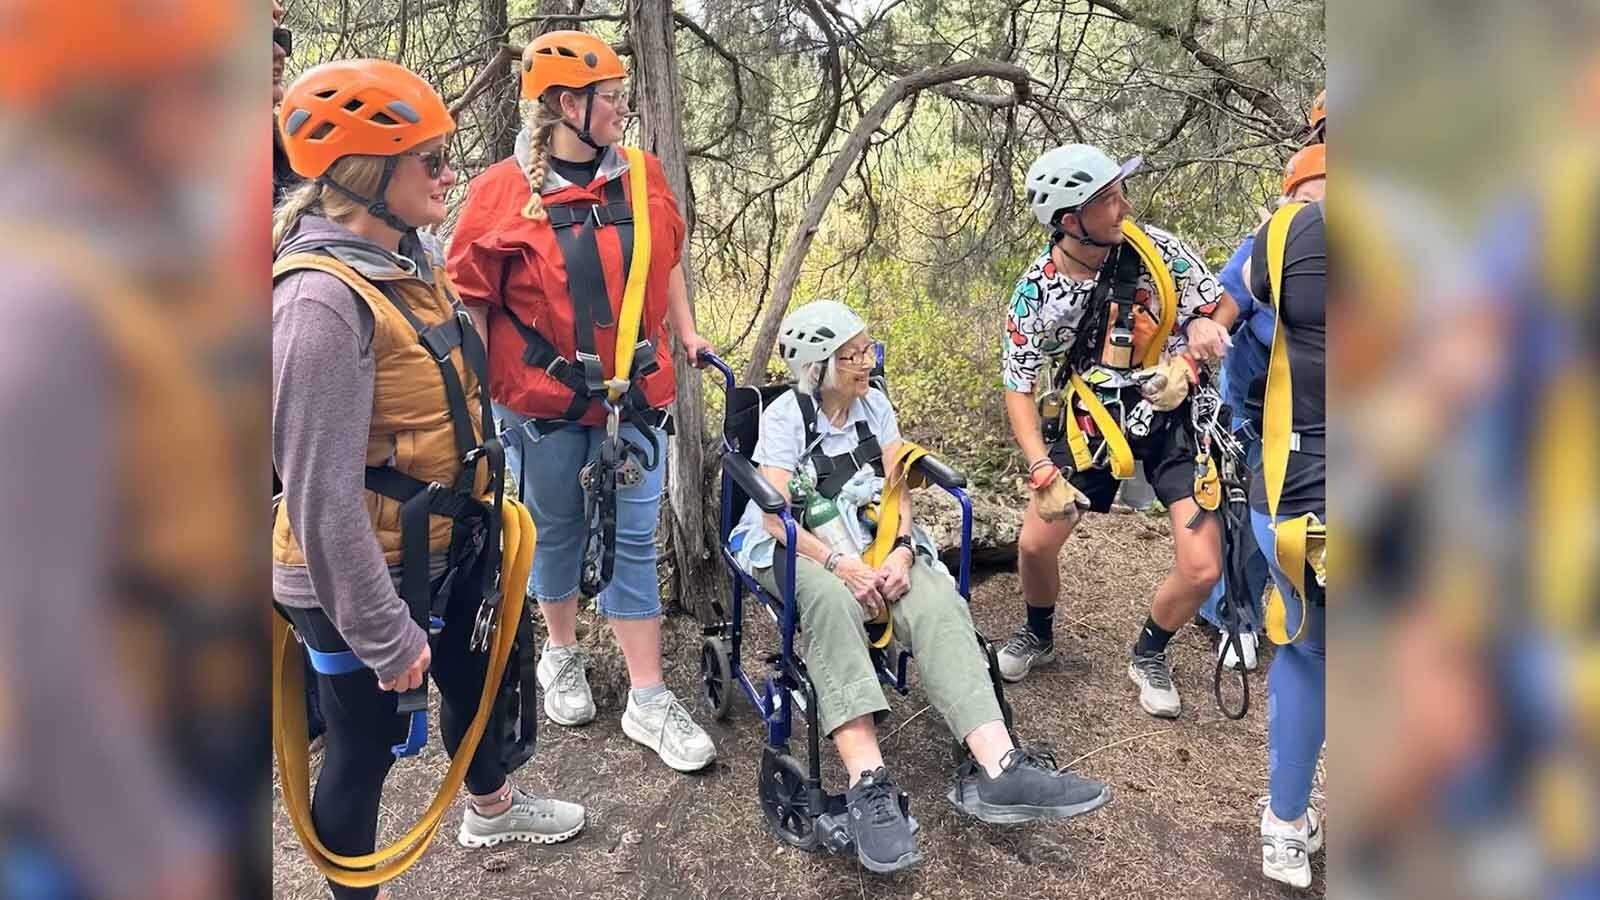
{"points": [[1319, 112], [51, 48], [571, 59], [359, 107], [1308, 163]]}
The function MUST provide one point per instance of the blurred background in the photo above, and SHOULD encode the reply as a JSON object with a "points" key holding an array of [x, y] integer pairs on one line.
{"points": [[1464, 722]]}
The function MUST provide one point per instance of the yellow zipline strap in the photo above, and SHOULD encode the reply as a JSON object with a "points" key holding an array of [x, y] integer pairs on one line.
{"points": [[638, 273], [1304, 536], [289, 726], [896, 480], [1121, 456]]}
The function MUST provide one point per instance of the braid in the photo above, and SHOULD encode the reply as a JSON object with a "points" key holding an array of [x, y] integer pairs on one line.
{"points": [[303, 199], [542, 127]]}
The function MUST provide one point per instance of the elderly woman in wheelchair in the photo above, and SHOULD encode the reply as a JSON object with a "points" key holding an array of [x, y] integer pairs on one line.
{"points": [[833, 433]]}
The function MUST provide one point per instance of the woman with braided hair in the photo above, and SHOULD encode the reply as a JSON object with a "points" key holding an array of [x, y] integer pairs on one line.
{"points": [[547, 246]]}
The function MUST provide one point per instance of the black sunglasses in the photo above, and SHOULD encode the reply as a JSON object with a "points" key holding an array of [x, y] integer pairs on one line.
{"points": [[284, 38], [434, 161]]}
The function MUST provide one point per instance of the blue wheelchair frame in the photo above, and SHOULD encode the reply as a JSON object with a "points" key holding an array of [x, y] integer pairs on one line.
{"points": [[793, 798]]}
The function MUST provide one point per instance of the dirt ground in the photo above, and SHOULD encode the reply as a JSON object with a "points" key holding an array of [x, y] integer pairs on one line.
{"points": [[1182, 821]]}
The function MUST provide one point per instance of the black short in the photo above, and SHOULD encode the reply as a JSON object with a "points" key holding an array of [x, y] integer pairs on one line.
{"points": [[1167, 453]]}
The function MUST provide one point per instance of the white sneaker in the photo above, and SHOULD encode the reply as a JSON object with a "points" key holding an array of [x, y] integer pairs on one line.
{"points": [[666, 727], [538, 820], [1286, 851], [1248, 642], [1154, 677], [1021, 652], [567, 700]]}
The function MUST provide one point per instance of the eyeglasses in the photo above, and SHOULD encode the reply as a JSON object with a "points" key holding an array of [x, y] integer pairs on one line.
{"points": [[862, 358], [434, 162], [284, 38], [617, 98]]}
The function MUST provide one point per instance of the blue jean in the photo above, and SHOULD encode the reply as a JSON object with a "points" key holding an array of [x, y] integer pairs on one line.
{"points": [[1296, 697], [546, 468], [1255, 571]]}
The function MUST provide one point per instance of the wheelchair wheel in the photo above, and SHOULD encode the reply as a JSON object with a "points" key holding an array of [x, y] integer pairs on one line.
{"points": [[783, 800], [716, 676]]}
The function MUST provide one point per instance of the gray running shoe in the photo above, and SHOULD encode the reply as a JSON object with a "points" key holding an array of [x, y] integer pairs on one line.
{"points": [[1154, 677], [884, 836], [1029, 787], [1023, 651], [536, 819]]}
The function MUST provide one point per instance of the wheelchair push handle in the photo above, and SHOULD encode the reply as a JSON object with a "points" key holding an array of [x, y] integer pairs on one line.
{"points": [[715, 362]]}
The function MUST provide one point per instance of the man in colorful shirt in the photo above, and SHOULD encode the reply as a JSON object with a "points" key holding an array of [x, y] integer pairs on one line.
{"points": [[1062, 318]]}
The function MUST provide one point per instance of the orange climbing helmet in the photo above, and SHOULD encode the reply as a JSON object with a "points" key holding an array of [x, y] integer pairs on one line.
{"points": [[1308, 163], [570, 59], [51, 48], [366, 107]]}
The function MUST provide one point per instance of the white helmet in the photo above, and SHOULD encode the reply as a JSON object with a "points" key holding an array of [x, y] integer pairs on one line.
{"points": [[1069, 176], [813, 332]]}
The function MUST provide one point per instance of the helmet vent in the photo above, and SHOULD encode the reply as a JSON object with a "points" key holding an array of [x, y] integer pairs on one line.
{"points": [[355, 104], [322, 131], [564, 51], [383, 118], [297, 120], [327, 94], [1054, 180], [405, 111]]}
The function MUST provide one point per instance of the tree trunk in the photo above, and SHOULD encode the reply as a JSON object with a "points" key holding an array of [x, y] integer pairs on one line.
{"points": [[806, 229], [500, 115], [660, 103]]}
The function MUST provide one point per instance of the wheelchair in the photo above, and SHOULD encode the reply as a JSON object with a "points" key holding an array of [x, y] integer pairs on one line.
{"points": [[798, 809]]}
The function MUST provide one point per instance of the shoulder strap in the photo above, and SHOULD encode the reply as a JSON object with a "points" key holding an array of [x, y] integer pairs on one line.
{"points": [[1278, 407], [1166, 291], [633, 294]]}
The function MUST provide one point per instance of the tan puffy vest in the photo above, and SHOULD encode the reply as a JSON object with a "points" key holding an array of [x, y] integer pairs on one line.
{"points": [[411, 428]]}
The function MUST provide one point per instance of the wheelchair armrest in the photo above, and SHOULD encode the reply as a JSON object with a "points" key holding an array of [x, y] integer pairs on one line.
{"points": [[936, 471], [753, 483]]}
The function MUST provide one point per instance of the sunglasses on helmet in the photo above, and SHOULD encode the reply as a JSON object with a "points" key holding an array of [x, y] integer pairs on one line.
{"points": [[284, 38]]}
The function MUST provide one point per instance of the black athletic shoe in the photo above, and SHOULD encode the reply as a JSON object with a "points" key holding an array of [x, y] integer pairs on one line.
{"points": [[879, 824], [1029, 787]]}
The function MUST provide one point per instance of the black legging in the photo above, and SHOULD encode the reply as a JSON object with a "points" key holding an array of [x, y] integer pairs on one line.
{"points": [[363, 725]]}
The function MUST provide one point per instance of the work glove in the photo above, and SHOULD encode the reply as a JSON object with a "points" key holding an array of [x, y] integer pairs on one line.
{"points": [[1055, 498], [1166, 385]]}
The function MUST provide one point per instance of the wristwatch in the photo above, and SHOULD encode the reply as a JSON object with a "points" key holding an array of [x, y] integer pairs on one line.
{"points": [[904, 540], [833, 561]]}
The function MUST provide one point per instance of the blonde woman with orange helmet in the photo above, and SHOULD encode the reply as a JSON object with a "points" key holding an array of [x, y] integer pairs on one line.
{"points": [[377, 388]]}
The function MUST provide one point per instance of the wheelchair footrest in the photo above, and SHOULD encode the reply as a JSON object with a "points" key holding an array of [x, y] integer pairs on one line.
{"points": [[833, 831]]}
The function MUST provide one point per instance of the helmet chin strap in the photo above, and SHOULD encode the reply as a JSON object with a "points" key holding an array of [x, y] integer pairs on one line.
{"points": [[1084, 238], [378, 208], [588, 114]]}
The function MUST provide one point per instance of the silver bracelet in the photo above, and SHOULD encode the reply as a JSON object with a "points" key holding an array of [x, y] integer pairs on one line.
{"points": [[833, 560]]}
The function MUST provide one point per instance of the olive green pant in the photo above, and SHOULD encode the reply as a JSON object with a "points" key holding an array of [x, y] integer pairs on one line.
{"points": [[931, 619]]}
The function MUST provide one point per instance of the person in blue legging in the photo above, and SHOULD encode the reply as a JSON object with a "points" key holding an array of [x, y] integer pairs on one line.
{"points": [[1304, 180], [1291, 831]]}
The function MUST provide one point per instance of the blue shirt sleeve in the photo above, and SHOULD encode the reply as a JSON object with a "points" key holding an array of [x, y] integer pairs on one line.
{"points": [[1232, 278]]}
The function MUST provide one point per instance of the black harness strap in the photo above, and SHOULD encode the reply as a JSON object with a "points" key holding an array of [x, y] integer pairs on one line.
{"points": [[575, 226], [833, 472]]}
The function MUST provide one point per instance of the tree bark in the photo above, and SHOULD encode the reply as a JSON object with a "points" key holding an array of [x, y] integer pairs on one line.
{"points": [[806, 229], [660, 102], [500, 115]]}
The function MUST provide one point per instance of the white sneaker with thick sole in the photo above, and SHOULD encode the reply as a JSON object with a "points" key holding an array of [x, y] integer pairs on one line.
{"points": [[538, 820], [567, 700], [666, 727], [1248, 642], [1157, 694], [1286, 851]]}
